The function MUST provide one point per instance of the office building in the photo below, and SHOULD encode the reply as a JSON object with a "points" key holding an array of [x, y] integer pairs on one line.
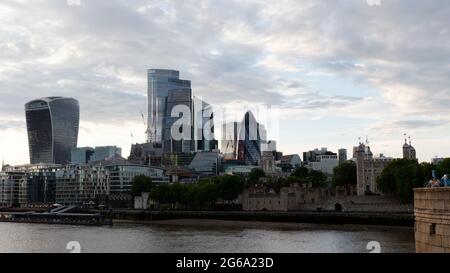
{"points": [[39, 185], [80, 156], [81, 185], [52, 125], [206, 163], [103, 152], [148, 154], [180, 140], [85, 155], [204, 138], [10, 186], [342, 155], [229, 142], [291, 162], [311, 156], [437, 160], [325, 163], [249, 148], [160, 82]]}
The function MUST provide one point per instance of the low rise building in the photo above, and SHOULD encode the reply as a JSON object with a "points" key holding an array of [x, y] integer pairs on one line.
{"points": [[241, 170], [325, 163], [10, 187], [39, 187], [206, 163], [81, 184], [34, 184]]}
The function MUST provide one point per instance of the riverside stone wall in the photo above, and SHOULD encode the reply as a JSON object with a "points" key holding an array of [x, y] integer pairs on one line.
{"points": [[432, 220]]}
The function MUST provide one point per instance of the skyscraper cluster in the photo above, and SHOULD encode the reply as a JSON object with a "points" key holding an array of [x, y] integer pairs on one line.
{"points": [[180, 146]]}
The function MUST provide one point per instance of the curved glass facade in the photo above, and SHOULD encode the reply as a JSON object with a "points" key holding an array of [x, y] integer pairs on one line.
{"points": [[52, 125], [249, 148]]}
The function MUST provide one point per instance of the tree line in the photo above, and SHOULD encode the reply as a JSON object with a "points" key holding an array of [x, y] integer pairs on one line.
{"points": [[203, 194], [398, 179]]}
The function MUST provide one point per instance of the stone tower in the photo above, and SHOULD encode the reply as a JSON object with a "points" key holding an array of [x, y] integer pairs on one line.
{"points": [[360, 156], [409, 152]]}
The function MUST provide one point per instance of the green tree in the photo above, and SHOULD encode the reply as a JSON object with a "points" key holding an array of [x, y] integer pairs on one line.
{"points": [[206, 193], [407, 178], [161, 194], [301, 172], [317, 178], [229, 187], [140, 184], [427, 170], [345, 174], [443, 167], [255, 175], [399, 178]]}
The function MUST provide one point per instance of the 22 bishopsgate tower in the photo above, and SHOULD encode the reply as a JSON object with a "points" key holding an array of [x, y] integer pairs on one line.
{"points": [[160, 82], [52, 125]]}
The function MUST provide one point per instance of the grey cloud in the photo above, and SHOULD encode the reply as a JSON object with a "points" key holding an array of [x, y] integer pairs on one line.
{"points": [[419, 124], [401, 42], [12, 125]]}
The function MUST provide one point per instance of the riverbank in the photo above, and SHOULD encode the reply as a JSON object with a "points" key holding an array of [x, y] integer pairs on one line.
{"points": [[360, 218]]}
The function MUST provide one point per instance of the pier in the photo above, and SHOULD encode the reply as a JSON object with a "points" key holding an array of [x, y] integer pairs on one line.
{"points": [[91, 219]]}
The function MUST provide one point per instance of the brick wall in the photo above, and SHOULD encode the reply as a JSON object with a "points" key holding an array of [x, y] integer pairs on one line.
{"points": [[432, 216]]}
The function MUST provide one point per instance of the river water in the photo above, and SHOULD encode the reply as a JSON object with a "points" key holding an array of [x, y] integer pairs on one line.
{"points": [[193, 236]]}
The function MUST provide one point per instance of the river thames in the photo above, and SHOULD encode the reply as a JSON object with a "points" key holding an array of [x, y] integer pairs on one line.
{"points": [[204, 236]]}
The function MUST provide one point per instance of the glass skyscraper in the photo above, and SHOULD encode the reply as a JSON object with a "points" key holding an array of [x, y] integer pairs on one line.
{"points": [[249, 149], [176, 98], [52, 125], [160, 82]]}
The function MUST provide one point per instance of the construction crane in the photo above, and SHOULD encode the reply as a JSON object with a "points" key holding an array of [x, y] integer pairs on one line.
{"points": [[148, 132]]}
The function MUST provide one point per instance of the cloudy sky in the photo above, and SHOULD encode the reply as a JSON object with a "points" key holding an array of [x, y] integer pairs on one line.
{"points": [[338, 70]]}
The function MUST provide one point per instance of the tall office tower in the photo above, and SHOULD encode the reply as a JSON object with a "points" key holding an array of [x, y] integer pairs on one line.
{"points": [[342, 155], [204, 138], [229, 142], [249, 148], [179, 103], [160, 81], [52, 125]]}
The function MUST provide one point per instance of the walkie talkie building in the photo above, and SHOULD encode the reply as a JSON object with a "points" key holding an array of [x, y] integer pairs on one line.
{"points": [[52, 125]]}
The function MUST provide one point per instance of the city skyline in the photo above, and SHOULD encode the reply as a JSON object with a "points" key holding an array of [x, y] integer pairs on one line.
{"points": [[332, 85]]}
